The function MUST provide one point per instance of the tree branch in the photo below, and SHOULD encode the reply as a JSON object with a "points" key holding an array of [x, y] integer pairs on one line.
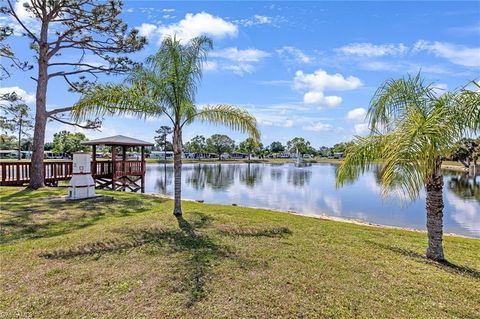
{"points": [[88, 126], [60, 110], [14, 14]]}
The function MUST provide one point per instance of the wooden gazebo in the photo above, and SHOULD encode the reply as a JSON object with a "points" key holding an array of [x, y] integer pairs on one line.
{"points": [[119, 173]]}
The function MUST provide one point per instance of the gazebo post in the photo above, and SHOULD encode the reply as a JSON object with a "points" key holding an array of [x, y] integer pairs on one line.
{"points": [[94, 160], [143, 169], [124, 158], [114, 157]]}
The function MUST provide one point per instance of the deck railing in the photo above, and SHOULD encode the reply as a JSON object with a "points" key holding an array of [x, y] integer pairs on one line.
{"points": [[18, 173]]}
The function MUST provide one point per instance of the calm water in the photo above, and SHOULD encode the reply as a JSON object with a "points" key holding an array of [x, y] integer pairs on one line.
{"points": [[311, 191]]}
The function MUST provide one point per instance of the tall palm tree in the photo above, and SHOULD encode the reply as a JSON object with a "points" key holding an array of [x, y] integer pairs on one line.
{"points": [[412, 130], [166, 85]]}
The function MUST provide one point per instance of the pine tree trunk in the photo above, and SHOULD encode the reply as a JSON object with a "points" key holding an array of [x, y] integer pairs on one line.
{"points": [[434, 189], [177, 167], [37, 178]]}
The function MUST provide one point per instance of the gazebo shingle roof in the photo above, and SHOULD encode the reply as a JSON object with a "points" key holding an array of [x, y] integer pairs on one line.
{"points": [[118, 140]]}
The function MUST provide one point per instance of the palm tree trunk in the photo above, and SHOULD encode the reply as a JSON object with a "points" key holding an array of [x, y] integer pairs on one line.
{"points": [[434, 189], [177, 167]]}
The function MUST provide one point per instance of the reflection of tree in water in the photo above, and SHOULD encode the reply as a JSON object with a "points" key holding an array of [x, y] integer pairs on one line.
{"points": [[464, 186], [216, 176], [276, 174], [299, 177], [164, 179], [251, 174]]}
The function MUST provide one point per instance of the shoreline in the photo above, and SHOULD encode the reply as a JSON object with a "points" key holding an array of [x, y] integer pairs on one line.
{"points": [[318, 216]]}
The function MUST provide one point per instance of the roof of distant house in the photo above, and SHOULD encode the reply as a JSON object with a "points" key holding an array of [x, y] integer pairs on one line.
{"points": [[118, 140]]}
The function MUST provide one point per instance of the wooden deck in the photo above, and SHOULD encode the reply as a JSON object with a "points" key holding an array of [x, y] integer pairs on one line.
{"points": [[17, 173]]}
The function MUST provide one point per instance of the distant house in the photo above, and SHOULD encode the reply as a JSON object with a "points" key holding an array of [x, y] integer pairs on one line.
{"points": [[237, 155], [8, 154], [161, 155], [338, 155]]}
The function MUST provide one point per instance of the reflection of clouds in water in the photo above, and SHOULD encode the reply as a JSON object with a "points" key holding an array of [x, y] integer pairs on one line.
{"points": [[334, 205], [310, 191], [285, 193], [466, 213], [396, 195]]}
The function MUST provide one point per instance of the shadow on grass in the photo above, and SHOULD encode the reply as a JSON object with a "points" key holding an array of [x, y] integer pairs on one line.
{"points": [[198, 252], [29, 215], [444, 265]]}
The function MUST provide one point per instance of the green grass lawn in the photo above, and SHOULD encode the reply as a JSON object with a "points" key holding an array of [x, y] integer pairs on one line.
{"points": [[131, 258]]}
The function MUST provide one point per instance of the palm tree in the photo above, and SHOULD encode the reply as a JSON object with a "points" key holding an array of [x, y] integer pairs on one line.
{"points": [[166, 85], [412, 130]]}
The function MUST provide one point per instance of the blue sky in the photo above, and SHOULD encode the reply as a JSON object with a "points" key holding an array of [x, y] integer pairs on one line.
{"points": [[302, 68]]}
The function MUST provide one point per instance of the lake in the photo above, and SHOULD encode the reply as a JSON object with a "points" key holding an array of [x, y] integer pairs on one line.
{"points": [[311, 191]]}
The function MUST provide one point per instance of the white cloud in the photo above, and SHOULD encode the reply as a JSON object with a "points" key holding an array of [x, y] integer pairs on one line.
{"points": [[320, 80], [239, 61], [27, 18], [147, 29], [210, 66], [357, 115], [28, 98], [234, 54], [258, 19], [373, 50], [361, 129], [168, 10], [316, 83], [240, 69], [294, 55], [319, 98], [457, 54], [318, 127], [202, 23]]}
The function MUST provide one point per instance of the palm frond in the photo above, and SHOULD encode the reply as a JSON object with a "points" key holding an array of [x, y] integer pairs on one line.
{"points": [[230, 116], [361, 155], [469, 107], [393, 99], [116, 100]]}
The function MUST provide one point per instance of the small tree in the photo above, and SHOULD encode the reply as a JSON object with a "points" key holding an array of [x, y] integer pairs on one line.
{"points": [[90, 29], [161, 138], [277, 147], [250, 146], [413, 130], [466, 151], [298, 144], [166, 85], [67, 143], [16, 118], [196, 145], [7, 142], [219, 144], [324, 151]]}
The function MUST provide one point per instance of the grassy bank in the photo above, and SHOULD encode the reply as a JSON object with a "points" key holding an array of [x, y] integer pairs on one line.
{"points": [[131, 258]]}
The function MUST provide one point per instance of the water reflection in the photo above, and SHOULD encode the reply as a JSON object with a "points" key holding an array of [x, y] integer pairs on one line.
{"points": [[311, 191], [464, 186], [216, 176]]}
